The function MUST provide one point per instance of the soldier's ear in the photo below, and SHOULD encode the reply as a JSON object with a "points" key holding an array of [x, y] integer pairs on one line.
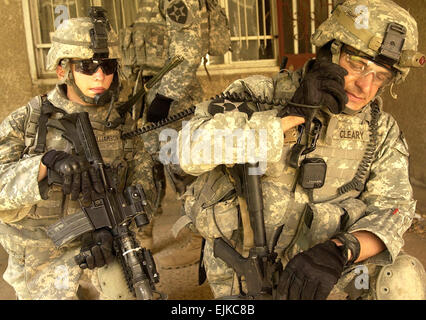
{"points": [[60, 72]]}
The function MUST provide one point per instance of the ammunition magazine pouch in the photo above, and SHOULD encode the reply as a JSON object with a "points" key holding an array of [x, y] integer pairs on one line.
{"points": [[211, 205], [145, 45]]}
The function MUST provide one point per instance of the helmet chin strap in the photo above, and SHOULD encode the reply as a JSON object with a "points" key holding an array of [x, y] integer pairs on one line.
{"points": [[336, 48], [99, 99]]}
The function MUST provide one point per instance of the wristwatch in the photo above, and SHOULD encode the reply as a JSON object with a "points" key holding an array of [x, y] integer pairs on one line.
{"points": [[350, 242]]}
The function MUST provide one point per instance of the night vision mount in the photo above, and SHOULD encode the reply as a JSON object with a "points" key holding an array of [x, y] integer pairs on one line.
{"points": [[99, 33]]}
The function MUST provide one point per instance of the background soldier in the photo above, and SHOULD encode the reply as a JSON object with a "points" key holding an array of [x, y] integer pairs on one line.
{"points": [[89, 80], [163, 29], [354, 213]]}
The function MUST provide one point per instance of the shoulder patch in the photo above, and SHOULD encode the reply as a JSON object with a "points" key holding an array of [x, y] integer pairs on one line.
{"points": [[178, 12]]}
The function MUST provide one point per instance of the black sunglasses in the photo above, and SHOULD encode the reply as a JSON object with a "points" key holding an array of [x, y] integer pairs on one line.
{"points": [[90, 66]]}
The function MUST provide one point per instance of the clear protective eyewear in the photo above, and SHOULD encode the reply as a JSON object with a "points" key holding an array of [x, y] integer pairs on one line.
{"points": [[357, 65]]}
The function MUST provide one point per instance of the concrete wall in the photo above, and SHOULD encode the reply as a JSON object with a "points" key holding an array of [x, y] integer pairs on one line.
{"points": [[15, 80], [16, 87], [409, 110]]}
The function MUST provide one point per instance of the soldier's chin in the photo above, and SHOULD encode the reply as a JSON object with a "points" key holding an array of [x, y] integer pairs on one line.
{"points": [[355, 105]]}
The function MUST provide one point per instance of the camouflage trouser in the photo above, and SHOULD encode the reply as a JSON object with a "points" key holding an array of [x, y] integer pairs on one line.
{"points": [[37, 270], [402, 280]]}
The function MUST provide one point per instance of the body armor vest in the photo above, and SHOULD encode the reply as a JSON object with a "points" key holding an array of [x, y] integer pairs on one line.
{"points": [[115, 152]]}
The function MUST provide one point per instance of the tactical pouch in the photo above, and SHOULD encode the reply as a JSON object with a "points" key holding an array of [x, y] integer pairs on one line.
{"points": [[211, 204], [127, 50], [151, 46]]}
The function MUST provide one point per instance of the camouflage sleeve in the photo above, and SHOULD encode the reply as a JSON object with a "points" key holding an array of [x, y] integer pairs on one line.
{"points": [[228, 138], [18, 175], [388, 193]]}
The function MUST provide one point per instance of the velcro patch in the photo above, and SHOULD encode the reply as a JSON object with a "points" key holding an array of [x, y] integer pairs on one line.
{"points": [[221, 105]]}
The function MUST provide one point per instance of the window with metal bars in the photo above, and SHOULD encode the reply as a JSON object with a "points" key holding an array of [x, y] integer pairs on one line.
{"points": [[262, 31], [297, 21], [254, 36]]}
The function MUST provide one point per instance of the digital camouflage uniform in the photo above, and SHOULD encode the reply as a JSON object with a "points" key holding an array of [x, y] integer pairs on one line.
{"points": [[36, 268], [164, 29], [384, 207]]}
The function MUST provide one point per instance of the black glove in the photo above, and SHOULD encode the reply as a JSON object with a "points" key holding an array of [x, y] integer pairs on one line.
{"points": [[312, 274], [323, 85], [78, 175], [96, 249], [159, 108]]}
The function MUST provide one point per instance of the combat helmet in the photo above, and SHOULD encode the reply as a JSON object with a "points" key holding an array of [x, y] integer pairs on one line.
{"points": [[378, 28], [85, 38]]}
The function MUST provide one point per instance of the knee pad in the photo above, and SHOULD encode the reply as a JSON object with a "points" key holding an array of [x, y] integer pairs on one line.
{"points": [[405, 279]]}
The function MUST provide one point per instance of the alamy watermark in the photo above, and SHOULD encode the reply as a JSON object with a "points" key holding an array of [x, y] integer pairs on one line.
{"points": [[62, 278], [214, 147], [363, 16], [362, 280], [63, 12]]}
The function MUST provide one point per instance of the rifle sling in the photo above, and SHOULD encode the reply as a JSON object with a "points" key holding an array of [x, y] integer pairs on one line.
{"points": [[248, 234], [47, 109]]}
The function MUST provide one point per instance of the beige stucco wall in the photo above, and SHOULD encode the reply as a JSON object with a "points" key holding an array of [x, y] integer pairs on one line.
{"points": [[16, 87], [409, 108], [15, 80]]}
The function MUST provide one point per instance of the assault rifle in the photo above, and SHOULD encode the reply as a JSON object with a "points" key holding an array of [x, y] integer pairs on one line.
{"points": [[112, 209], [261, 269]]}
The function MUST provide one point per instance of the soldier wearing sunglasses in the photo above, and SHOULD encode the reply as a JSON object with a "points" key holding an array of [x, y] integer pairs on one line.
{"points": [[86, 58]]}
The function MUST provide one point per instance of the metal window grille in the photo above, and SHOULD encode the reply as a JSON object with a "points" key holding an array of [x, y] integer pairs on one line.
{"points": [[254, 36], [297, 21]]}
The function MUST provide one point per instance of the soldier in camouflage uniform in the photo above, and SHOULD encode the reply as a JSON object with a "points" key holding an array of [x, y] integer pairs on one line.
{"points": [[347, 235], [89, 81], [162, 30]]}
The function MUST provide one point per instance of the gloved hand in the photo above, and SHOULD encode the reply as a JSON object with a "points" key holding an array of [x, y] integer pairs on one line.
{"points": [[323, 85], [96, 249], [78, 175], [312, 274], [159, 108]]}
